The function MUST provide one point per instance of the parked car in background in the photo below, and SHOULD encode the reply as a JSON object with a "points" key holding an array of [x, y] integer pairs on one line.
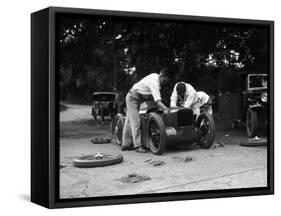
{"points": [[104, 104], [254, 104]]}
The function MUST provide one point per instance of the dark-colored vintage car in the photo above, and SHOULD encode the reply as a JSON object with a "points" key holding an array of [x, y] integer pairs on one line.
{"points": [[253, 109], [178, 126], [104, 104]]}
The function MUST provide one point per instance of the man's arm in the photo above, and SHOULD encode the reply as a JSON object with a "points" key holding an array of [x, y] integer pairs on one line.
{"points": [[162, 106], [190, 91], [155, 91], [174, 98]]}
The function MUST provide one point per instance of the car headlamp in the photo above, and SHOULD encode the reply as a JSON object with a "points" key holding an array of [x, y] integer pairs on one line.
{"points": [[264, 97]]}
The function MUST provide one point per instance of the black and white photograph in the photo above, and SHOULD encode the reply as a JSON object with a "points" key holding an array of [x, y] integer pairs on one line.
{"points": [[159, 105], [140, 107]]}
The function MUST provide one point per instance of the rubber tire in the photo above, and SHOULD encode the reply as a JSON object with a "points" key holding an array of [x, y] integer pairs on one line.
{"points": [[82, 162], [211, 139], [112, 125], [252, 132], [101, 140], [253, 144], [163, 138], [119, 117]]}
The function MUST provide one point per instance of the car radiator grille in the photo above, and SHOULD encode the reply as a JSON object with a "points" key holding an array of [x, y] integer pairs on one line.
{"points": [[185, 117]]}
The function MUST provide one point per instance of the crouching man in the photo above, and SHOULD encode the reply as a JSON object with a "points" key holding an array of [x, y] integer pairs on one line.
{"points": [[146, 89], [184, 95]]}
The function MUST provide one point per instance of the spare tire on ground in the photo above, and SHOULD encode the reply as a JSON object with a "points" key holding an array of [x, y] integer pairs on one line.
{"points": [[252, 142], [97, 160], [100, 140]]}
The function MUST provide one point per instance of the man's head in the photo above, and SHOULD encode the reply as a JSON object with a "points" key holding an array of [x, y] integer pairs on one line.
{"points": [[164, 76], [181, 88]]}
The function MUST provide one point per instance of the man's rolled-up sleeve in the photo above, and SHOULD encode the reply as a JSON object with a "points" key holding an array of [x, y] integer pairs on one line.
{"points": [[155, 93]]}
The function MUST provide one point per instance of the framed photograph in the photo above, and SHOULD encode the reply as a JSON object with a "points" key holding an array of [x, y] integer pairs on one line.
{"points": [[138, 107]]}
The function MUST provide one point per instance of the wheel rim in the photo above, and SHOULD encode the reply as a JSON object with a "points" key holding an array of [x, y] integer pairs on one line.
{"points": [[205, 130], [154, 136]]}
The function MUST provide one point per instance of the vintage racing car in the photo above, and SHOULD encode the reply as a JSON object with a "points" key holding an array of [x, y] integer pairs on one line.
{"points": [[178, 126]]}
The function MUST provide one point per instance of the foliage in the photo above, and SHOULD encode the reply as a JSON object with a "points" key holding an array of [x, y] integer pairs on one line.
{"points": [[107, 54]]}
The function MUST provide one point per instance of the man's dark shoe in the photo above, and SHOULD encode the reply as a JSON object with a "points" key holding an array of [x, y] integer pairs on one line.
{"points": [[127, 148], [140, 150]]}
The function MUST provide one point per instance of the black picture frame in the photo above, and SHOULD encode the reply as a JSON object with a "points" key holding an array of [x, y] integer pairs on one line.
{"points": [[45, 113]]}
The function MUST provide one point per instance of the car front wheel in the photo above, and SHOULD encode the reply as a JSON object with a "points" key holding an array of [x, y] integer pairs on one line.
{"points": [[206, 125], [117, 128], [252, 122], [156, 134]]}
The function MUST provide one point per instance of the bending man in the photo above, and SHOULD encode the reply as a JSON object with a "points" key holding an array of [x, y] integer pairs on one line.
{"points": [[184, 95], [146, 89]]}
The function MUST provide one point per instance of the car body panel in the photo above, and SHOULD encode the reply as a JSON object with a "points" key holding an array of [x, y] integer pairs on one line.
{"points": [[185, 133]]}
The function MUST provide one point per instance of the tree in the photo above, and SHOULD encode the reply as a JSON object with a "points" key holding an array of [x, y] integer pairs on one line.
{"points": [[101, 53]]}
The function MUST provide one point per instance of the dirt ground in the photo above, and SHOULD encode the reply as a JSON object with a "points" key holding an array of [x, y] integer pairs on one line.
{"points": [[183, 168]]}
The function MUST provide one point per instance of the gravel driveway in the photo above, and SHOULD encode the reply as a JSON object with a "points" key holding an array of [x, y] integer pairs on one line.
{"points": [[230, 166]]}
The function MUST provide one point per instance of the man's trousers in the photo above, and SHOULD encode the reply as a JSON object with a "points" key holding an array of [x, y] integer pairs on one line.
{"points": [[131, 131]]}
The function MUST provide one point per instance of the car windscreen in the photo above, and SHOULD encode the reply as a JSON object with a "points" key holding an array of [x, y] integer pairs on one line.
{"points": [[104, 97], [257, 81]]}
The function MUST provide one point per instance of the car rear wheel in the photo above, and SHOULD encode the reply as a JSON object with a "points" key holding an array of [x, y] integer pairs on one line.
{"points": [[252, 122], [206, 125], [117, 128], [156, 134]]}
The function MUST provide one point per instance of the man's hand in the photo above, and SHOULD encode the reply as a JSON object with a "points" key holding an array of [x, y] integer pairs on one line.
{"points": [[166, 111], [161, 105]]}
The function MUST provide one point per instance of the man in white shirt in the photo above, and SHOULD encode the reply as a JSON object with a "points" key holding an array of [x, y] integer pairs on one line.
{"points": [[202, 99], [184, 95], [146, 89]]}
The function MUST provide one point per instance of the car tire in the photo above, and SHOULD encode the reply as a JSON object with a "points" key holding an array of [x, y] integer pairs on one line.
{"points": [[117, 128], [88, 161], [101, 140], [207, 130], [112, 125], [251, 122], [156, 134], [252, 142]]}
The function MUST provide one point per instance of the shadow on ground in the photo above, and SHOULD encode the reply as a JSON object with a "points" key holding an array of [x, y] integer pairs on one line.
{"points": [[84, 128]]}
